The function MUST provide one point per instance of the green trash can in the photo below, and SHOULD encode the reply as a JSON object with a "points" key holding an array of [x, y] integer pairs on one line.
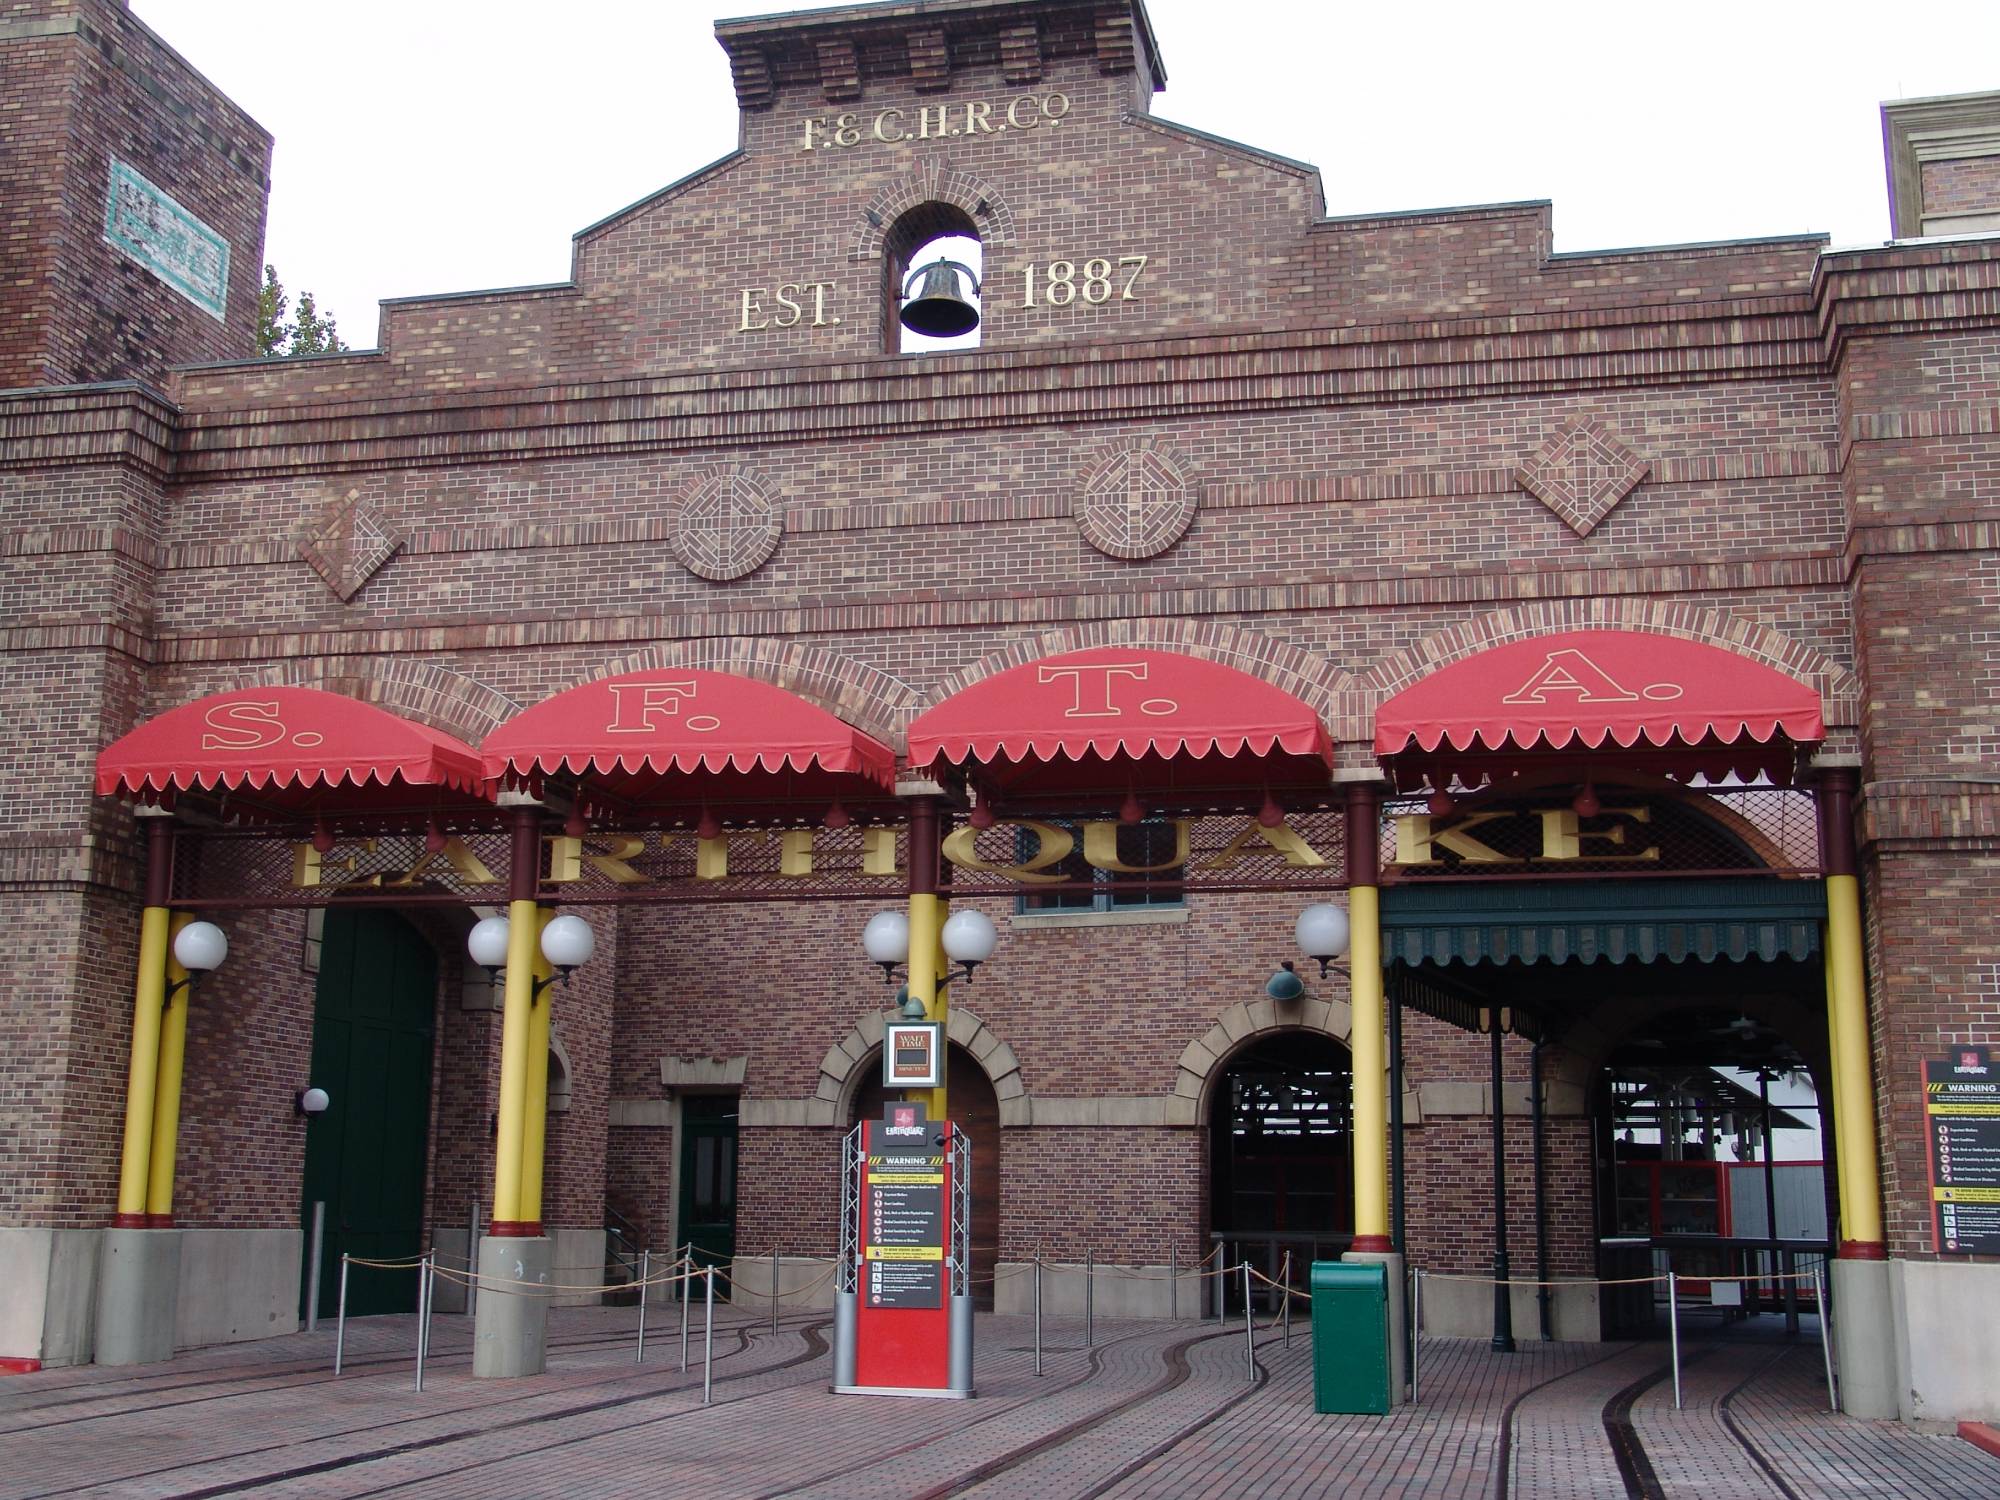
{"points": [[1350, 1323]]}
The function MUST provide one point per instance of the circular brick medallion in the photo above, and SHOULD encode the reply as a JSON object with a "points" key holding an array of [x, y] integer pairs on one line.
{"points": [[1136, 503], [726, 524]]}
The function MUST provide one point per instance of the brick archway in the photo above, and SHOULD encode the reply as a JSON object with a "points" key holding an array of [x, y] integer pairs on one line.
{"points": [[845, 1067], [864, 696], [1205, 1061], [427, 692], [933, 181]]}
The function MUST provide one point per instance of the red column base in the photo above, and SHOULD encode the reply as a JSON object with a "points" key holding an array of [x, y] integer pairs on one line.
{"points": [[515, 1229], [159, 1221], [1372, 1244], [1862, 1250], [131, 1221], [1980, 1436], [11, 1365]]}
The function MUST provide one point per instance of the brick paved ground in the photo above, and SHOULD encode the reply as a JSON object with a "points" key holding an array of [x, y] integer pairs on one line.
{"points": [[1155, 1409]]}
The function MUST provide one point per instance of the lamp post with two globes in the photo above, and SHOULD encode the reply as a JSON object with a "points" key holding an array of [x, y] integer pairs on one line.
{"points": [[547, 945], [968, 939]]}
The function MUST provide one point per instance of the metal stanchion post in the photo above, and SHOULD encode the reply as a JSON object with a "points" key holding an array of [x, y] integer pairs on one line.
{"points": [[1038, 1312], [1174, 1282], [423, 1315], [1416, 1324], [340, 1317], [775, 1258], [1674, 1334], [645, 1266], [312, 1265], [708, 1336], [1249, 1325], [1287, 1294], [1826, 1336], [471, 1256], [686, 1264], [1090, 1299]]}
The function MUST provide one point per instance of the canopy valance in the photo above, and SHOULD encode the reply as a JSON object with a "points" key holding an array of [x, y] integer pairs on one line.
{"points": [[281, 751], [1116, 718], [685, 736], [1606, 689]]}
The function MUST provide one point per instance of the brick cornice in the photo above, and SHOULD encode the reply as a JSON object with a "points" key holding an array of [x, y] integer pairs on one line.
{"points": [[1045, 610], [82, 426], [1941, 813], [1441, 360], [1931, 286]]}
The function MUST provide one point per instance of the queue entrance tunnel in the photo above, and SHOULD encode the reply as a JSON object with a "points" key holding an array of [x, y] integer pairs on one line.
{"points": [[1646, 1071]]}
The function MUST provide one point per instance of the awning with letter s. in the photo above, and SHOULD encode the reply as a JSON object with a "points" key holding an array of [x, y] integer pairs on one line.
{"points": [[279, 752], [1605, 690], [1120, 719], [686, 736]]}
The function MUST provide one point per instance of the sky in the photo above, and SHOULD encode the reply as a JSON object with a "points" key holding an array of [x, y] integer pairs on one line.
{"points": [[452, 145]]}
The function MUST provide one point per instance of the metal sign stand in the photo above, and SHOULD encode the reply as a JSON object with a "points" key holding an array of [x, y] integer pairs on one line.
{"points": [[883, 1329]]}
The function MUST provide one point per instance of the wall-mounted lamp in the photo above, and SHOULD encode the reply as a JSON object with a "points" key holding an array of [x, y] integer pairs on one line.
{"points": [[1322, 933], [567, 943], [200, 948], [969, 939], [312, 1103]]}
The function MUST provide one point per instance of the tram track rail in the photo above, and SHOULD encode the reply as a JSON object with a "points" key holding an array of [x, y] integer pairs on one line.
{"points": [[815, 1347], [277, 1376]]}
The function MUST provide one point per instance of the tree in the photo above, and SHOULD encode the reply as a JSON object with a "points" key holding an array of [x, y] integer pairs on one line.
{"points": [[307, 333]]}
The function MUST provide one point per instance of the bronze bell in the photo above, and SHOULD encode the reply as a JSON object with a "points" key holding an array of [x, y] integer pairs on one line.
{"points": [[938, 311]]}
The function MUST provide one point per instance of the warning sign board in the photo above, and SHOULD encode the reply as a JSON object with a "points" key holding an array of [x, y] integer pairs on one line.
{"points": [[1962, 1110]]}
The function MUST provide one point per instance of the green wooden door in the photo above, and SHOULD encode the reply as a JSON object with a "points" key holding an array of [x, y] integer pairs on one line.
{"points": [[373, 1020], [708, 1179]]}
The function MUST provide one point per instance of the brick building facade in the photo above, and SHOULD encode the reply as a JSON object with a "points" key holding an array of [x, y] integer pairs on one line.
{"points": [[1336, 454]]}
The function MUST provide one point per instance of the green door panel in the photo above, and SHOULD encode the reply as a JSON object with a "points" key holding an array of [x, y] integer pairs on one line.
{"points": [[708, 1179], [373, 1022]]}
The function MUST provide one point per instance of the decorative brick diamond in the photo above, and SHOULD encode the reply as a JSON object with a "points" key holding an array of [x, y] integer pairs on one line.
{"points": [[348, 543], [726, 525], [1582, 472], [1136, 503]]}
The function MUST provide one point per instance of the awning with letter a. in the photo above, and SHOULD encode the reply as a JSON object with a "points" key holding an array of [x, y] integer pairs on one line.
{"points": [[1605, 690], [686, 736], [282, 751], [1120, 719]]}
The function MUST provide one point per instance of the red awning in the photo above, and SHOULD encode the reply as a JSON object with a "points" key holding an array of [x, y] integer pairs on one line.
{"points": [[1121, 704], [1590, 688], [293, 749], [684, 734]]}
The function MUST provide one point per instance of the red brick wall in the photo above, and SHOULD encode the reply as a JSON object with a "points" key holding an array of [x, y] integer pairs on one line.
{"points": [[1967, 185], [73, 309], [1921, 487], [1128, 1194]]}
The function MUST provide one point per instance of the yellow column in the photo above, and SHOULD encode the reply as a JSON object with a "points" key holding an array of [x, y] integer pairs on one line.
{"points": [[1853, 1083], [535, 1127], [1368, 1012], [1839, 1114], [148, 993], [939, 1010], [1371, 1094], [926, 922], [523, 945], [167, 1088]]}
